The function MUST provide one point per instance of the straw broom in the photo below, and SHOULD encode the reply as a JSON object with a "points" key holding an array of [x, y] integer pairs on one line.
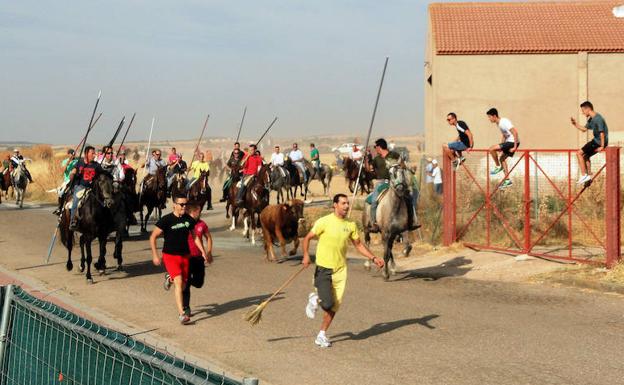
{"points": [[254, 316]]}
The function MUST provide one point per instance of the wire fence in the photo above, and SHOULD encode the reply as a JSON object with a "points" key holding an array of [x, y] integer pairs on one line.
{"points": [[42, 343]]}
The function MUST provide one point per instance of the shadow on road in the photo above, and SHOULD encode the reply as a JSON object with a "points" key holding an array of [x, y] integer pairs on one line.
{"points": [[133, 269], [455, 267], [384, 327], [217, 309]]}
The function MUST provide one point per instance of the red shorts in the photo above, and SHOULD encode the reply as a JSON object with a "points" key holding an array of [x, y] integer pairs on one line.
{"points": [[176, 265]]}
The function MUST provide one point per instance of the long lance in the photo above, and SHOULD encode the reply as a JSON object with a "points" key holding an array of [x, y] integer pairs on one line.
{"points": [[198, 142], [84, 141], [240, 128], [265, 132], [85, 136], [126, 134], [110, 144], [370, 129], [147, 153]]}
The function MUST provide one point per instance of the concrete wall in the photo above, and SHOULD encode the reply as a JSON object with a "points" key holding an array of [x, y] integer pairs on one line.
{"points": [[538, 93]]}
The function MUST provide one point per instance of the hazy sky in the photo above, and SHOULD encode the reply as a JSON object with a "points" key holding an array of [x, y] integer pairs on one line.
{"points": [[315, 64]]}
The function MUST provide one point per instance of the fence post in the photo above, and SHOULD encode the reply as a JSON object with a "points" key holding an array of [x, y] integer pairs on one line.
{"points": [[612, 214], [4, 322], [527, 203], [448, 211]]}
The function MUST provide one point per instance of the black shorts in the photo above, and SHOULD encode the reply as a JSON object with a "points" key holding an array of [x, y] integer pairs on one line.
{"points": [[324, 288], [197, 271], [505, 147], [589, 149]]}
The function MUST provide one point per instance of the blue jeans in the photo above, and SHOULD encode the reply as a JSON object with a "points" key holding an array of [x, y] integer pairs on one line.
{"points": [[374, 203], [301, 167], [75, 200]]}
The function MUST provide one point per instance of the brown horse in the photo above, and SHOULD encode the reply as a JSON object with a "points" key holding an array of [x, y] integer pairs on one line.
{"points": [[153, 195], [200, 192], [7, 182], [255, 199], [351, 169]]}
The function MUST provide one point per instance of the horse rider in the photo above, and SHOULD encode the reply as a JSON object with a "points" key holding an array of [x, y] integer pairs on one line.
{"points": [[251, 165], [197, 167], [315, 158], [172, 162], [277, 161], [356, 155], [380, 164], [182, 167], [296, 157], [123, 162], [7, 166], [233, 162], [82, 177], [154, 163], [17, 159], [67, 165], [110, 165]]}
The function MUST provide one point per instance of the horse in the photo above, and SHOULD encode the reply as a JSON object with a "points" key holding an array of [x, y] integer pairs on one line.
{"points": [[153, 195], [131, 199], [323, 174], [280, 181], [178, 186], [7, 182], [351, 170], [296, 179], [200, 191], [391, 215], [100, 213], [20, 182], [256, 198]]}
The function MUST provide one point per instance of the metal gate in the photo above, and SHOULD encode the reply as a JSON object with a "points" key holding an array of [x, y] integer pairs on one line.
{"points": [[543, 213]]}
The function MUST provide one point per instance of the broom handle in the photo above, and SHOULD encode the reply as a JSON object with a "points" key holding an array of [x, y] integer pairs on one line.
{"points": [[292, 277]]}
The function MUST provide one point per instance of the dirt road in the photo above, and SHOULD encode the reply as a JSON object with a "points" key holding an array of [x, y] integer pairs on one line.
{"points": [[416, 329]]}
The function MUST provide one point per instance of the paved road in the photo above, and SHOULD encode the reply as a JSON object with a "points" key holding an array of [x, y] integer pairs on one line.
{"points": [[418, 329]]}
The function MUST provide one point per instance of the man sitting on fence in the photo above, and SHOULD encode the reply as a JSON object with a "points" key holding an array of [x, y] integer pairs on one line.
{"points": [[463, 142], [597, 124], [508, 146]]}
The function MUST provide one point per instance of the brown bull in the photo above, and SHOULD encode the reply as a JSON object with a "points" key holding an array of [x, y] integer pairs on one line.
{"points": [[280, 223]]}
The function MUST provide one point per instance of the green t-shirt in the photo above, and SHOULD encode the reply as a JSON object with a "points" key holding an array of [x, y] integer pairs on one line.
{"points": [[380, 165], [67, 169], [314, 153], [597, 124]]}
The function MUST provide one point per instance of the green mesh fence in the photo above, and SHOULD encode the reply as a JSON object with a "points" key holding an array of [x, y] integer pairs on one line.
{"points": [[46, 344]]}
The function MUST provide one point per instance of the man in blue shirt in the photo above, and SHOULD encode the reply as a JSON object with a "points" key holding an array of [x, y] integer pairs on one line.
{"points": [[597, 124]]}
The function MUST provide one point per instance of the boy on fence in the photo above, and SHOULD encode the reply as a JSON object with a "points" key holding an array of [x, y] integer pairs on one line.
{"points": [[508, 146], [597, 124], [197, 262], [463, 142]]}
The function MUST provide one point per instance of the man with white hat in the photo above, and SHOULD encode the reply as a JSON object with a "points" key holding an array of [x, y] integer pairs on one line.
{"points": [[17, 159], [436, 175]]}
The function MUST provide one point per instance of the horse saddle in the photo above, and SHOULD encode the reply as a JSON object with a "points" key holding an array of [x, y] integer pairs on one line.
{"points": [[381, 189], [81, 195], [246, 180]]}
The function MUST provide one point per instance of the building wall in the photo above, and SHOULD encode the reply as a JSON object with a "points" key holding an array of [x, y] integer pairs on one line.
{"points": [[538, 93]]}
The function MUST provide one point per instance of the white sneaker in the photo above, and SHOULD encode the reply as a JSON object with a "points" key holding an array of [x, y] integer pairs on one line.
{"points": [[322, 341], [583, 179], [312, 305]]}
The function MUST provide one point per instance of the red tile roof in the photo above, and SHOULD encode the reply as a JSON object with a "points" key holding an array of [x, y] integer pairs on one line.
{"points": [[528, 27]]}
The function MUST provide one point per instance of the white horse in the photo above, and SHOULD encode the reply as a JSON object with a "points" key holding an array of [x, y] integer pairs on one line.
{"points": [[20, 182]]}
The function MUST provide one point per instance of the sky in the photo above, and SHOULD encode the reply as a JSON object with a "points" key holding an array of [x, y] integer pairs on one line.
{"points": [[316, 65]]}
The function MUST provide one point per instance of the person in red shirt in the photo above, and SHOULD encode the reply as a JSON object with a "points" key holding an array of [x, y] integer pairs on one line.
{"points": [[252, 163], [197, 262]]}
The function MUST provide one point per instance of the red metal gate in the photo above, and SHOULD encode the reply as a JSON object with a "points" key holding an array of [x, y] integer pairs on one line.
{"points": [[544, 213]]}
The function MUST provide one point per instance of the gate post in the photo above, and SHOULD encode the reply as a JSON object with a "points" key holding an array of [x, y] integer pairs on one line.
{"points": [[4, 322], [448, 209], [612, 206], [527, 203]]}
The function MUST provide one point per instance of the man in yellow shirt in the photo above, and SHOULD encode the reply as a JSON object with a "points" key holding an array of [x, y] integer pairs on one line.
{"points": [[334, 233], [197, 167]]}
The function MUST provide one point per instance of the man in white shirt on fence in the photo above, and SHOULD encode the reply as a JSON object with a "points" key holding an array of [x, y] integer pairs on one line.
{"points": [[508, 146]]}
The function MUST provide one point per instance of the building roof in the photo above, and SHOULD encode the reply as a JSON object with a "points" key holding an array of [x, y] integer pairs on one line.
{"points": [[526, 27]]}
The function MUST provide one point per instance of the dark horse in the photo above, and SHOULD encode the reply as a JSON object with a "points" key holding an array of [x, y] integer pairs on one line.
{"points": [[296, 180], [280, 181], [153, 195], [5, 183], [392, 215], [351, 170], [255, 200], [100, 213], [200, 191]]}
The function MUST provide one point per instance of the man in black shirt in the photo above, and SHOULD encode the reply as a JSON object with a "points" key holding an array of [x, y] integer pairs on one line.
{"points": [[86, 170], [463, 142], [176, 228]]}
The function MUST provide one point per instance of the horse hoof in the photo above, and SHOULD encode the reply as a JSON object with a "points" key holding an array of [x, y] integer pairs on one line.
{"points": [[82, 269], [407, 250], [120, 268], [102, 272], [69, 266], [89, 281]]}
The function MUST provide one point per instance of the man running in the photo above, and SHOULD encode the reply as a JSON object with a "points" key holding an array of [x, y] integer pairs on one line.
{"points": [[463, 142], [197, 262], [176, 227], [251, 166], [597, 124], [296, 157], [334, 232], [508, 146]]}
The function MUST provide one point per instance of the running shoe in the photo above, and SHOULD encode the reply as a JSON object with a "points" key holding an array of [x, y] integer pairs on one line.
{"points": [[167, 283], [506, 183], [322, 341], [312, 305], [184, 319], [459, 162], [584, 179], [187, 311], [496, 170]]}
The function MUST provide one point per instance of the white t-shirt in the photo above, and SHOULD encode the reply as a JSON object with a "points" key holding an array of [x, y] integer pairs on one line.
{"points": [[356, 155], [428, 178], [505, 126], [295, 155], [436, 174], [277, 159]]}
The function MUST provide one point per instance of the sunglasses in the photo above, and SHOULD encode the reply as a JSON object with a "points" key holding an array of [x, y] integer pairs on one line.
{"points": [[109, 153], [182, 204], [449, 119]]}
